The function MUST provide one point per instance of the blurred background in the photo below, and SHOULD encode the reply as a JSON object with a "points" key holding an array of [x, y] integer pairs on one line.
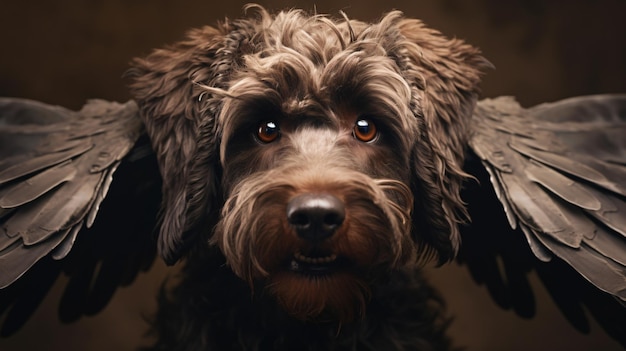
{"points": [[67, 51]]}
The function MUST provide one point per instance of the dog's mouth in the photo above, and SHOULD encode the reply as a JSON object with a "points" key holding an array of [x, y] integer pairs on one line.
{"points": [[315, 263]]}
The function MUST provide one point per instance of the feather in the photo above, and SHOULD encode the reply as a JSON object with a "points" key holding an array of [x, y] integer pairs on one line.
{"points": [[604, 273], [41, 162], [6, 241], [15, 262], [61, 209], [558, 169], [611, 212], [605, 175], [59, 165], [559, 184], [539, 250], [61, 251], [91, 217], [37, 185]]}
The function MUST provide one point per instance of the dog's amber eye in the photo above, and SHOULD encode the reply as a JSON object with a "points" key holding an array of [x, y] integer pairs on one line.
{"points": [[365, 130], [268, 132]]}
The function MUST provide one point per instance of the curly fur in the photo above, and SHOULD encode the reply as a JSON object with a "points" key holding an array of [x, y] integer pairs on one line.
{"points": [[201, 100], [216, 311]]}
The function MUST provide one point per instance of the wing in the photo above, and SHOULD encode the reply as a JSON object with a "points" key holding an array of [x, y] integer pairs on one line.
{"points": [[56, 174], [558, 171]]}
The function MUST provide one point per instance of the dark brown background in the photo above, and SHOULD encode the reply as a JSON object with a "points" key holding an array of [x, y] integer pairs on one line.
{"points": [[66, 51]]}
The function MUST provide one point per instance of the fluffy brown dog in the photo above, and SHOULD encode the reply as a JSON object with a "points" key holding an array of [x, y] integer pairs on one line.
{"points": [[323, 158], [309, 167]]}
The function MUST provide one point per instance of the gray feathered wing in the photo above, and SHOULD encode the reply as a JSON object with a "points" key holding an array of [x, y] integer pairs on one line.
{"points": [[56, 168], [558, 171]]}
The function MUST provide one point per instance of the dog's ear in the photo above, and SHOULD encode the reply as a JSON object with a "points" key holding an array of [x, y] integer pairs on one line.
{"points": [[167, 85], [444, 75]]}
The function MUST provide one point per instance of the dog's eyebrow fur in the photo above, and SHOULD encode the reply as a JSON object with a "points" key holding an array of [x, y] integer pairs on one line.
{"points": [[310, 65]]}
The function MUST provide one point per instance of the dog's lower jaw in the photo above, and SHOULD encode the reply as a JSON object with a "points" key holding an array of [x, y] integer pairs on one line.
{"points": [[339, 296]]}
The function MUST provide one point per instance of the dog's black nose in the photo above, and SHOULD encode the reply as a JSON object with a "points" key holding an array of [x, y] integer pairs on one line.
{"points": [[315, 217]]}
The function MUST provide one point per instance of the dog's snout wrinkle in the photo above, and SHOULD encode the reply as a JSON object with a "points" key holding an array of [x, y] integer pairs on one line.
{"points": [[315, 217]]}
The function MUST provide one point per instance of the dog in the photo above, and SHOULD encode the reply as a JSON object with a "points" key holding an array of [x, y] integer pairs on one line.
{"points": [[307, 168], [310, 167]]}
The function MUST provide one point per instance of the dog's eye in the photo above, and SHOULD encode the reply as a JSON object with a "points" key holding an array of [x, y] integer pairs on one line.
{"points": [[365, 130], [268, 131]]}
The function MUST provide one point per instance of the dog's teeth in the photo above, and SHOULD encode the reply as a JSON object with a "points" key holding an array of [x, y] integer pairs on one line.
{"points": [[314, 260]]}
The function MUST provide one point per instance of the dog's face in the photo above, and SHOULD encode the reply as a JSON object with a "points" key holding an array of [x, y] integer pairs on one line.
{"points": [[328, 152], [316, 174]]}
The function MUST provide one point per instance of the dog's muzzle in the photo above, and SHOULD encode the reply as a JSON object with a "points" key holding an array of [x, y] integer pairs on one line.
{"points": [[315, 218]]}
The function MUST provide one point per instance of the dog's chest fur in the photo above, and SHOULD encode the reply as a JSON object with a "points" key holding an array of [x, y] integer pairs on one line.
{"points": [[212, 309]]}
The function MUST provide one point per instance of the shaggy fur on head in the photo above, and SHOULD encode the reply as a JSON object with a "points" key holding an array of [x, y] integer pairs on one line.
{"points": [[206, 103]]}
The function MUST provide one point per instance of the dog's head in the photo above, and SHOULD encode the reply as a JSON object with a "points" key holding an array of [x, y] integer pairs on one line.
{"points": [[316, 153]]}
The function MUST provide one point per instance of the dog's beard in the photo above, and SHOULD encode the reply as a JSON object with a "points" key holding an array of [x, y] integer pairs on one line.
{"points": [[329, 279], [340, 295]]}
